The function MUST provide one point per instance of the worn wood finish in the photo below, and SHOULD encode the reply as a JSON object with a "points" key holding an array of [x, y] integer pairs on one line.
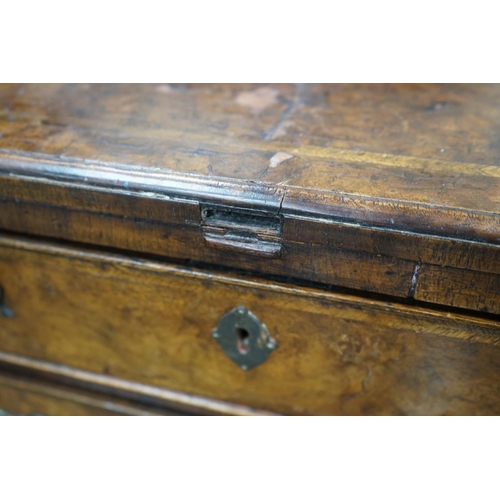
{"points": [[392, 189], [333, 252], [150, 322], [426, 145], [24, 396], [163, 400]]}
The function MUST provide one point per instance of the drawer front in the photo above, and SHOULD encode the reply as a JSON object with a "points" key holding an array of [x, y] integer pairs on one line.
{"points": [[21, 396], [152, 323]]}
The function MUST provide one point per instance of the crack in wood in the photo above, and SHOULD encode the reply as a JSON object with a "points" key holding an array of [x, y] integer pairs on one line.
{"points": [[414, 278]]}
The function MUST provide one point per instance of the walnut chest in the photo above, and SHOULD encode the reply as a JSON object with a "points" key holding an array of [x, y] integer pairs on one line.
{"points": [[250, 249]]}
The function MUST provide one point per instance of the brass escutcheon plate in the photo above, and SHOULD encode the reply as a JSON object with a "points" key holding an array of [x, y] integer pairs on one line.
{"points": [[244, 338]]}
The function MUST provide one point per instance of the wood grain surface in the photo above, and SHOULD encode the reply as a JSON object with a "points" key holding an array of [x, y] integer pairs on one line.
{"points": [[150, 322], [392, 189], [152, 399], [21, 396], [431, 145]]}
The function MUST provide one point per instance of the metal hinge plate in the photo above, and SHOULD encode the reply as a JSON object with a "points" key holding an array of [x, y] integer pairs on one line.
{"points": [[242, 231]]}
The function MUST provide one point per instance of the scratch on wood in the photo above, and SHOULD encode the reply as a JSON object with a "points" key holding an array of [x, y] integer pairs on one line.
{"points": [[258, 99], [164, 88], [269, 135], [414, 279], [274, 162], [279, 158], [366, 379]]}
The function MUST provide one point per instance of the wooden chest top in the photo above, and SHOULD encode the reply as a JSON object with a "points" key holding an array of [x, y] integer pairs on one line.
{"points": [[391, 189]]}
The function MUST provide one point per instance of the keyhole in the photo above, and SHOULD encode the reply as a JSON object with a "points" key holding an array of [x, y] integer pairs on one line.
{"points": [[242, 340]]}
